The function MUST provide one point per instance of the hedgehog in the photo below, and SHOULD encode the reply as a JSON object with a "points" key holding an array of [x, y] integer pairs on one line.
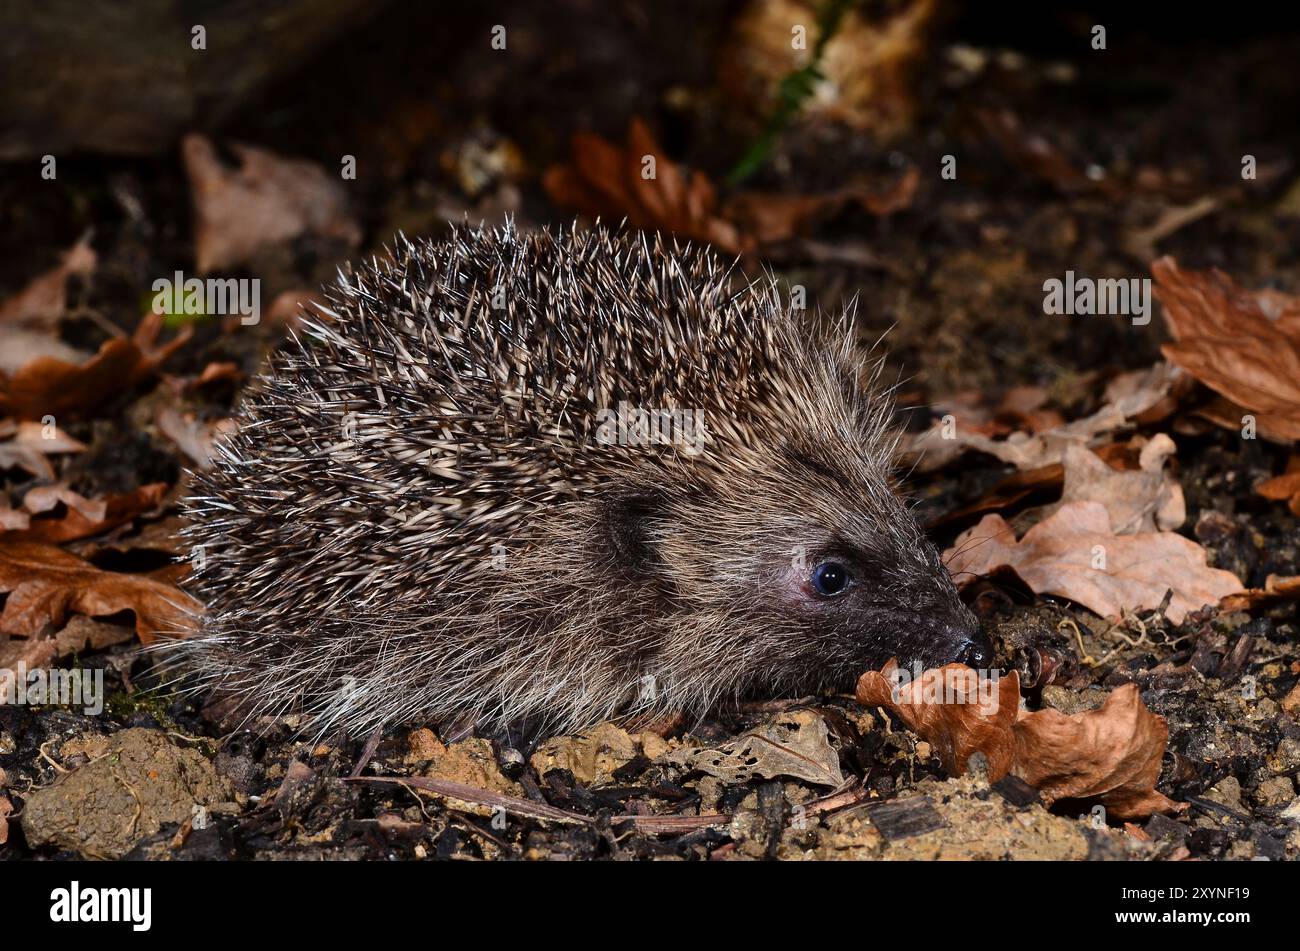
{"points": [[555, 478]]}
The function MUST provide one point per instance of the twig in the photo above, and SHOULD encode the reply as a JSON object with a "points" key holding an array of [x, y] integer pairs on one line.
{"points": [[544, 811]]}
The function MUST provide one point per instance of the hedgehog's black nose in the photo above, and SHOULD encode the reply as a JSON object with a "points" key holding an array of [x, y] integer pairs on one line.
{"points": [[977, 653]]}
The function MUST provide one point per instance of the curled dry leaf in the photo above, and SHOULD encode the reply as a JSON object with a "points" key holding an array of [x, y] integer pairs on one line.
{"points": [[1142, 396], [45, 299], [1111, 754], [1143, 500], [1276, 590], [45, 584], [267, 200], [25, 446], [1243, 345], [50, 386], [81, 517], [194, 437], [953, 709], [605, 180], [1075, 554], [1283, 488], [796, 744], [769, 217]]}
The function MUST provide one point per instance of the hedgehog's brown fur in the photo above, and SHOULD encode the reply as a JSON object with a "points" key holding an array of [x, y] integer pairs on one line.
{"points": [[417, 518]]}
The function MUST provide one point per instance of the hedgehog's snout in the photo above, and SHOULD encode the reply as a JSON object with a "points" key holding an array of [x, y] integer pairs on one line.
{"points": [[957, 638], [977, 651]]}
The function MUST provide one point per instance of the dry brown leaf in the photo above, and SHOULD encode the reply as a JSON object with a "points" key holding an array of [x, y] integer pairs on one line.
{"points": [[1141, 396], [157, 535], [33, 652], [81, 517], [1143, 500], [82, 633], [26, 445], [267, 200], [772, 217], [1277, 590], [6, 810], [1243, 345], [194, 437], [605, 180], [45, 299], [1283, 488], [1111, 754], [46, 584], [945, 706], [19, 346], [796, 744], [50, 386], [1007, 492], [1057, 556]]}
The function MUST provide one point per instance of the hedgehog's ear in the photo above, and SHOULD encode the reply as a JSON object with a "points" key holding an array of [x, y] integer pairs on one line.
{"points": [[629, 523]]}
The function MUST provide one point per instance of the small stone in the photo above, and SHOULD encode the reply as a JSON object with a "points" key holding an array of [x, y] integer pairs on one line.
{"points": [[423, 745], [1275, 791], [1227, 793]]}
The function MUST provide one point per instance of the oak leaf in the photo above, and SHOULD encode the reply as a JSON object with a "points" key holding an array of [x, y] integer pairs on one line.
{"points": [[45, 584], [1145, 499], [26, 445], [1111, 754], [604, 179], [1075, 554], [51, 386], [80, 517], [1243, 345], [1140, 396], [266, 200]]}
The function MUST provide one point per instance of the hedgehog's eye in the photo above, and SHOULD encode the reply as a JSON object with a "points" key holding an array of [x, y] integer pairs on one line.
{"points": [[830, 578]]}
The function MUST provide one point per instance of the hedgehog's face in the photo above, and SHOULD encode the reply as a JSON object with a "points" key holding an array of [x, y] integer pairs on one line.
{"points": [[813, 573], [804, 574], [865, 582], [864, 604]]}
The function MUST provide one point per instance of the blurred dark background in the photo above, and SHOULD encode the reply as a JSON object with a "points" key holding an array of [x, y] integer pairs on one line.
{"points": [[1160, 118]]}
